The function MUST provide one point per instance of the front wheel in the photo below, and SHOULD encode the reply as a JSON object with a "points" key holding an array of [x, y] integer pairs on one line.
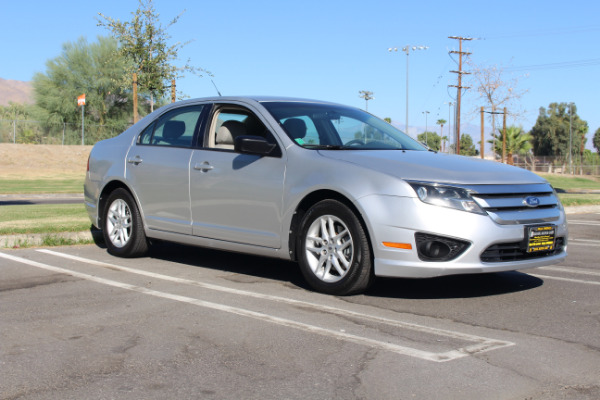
{"points": [[335, 256], [122, 226]]}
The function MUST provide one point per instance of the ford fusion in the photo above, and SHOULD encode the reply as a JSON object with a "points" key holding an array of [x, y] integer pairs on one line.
{"points": [[344, 194]]}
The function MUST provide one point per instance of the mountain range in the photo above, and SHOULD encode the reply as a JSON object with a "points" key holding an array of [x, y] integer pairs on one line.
{"points": [[16, 92]]}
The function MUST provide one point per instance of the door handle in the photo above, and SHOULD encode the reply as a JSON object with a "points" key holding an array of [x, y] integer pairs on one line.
{"points": [[204, 167], [135, 161]]}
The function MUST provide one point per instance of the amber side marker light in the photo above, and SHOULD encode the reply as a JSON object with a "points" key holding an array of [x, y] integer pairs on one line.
{"points": [[405, 246]]}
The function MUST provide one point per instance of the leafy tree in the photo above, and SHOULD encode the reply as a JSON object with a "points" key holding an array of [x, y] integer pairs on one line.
{"points": [[14, 124], [388, 120], [597, 140], [433, 140], [82, 68], [517, 142], [554, 129], [467, 147], [143, 41]]}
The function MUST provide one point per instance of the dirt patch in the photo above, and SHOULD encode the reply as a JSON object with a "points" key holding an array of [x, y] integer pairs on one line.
{"points": [[42, 160]]}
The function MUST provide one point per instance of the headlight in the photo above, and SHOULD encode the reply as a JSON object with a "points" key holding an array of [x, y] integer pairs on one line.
{"points": [[446, 196], [558, 202]]}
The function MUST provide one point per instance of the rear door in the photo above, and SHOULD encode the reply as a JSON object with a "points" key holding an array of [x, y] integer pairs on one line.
{"points": [[158, 169]]}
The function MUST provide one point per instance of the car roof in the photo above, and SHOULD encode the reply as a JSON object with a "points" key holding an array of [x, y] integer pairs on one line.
{"points": [[258, 99]]}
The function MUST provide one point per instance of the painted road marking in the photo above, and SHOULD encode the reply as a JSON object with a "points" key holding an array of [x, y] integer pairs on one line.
{"points": [[481, 344], [557, 278], [572, 270], [583, 222], [584, 242]]}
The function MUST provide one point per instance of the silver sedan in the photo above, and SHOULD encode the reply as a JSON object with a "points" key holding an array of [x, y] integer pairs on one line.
{"points": [[343, 193]]}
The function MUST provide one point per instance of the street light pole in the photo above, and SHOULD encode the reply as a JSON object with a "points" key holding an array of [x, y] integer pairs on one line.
{"points": [[367, 95], [407, 50], [426, 112]]}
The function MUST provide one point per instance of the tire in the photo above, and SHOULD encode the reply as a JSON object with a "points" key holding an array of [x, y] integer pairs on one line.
{"points": [[334, 251], [122, 226]]}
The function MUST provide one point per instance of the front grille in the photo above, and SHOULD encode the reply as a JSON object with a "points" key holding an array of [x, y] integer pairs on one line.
{"points": [[518, 204], [517, 251]]}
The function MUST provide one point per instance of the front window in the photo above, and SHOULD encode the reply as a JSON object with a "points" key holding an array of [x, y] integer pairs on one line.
{"points": [[326, 126], [230, 122]]}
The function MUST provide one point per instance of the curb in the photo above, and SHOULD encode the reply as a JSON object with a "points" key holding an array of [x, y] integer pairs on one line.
{"points": [[38, 239], [582, 210], [7, 197]]}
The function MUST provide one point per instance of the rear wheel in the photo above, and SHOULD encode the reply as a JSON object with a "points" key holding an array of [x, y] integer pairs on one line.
{"points": [[123, 230], [335, 256]]}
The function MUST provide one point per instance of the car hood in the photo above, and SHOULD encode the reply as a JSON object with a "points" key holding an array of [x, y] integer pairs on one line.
{"points": [[435, 167]]}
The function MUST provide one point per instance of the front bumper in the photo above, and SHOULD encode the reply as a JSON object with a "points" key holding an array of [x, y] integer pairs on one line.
{"points": [[397, 219]]}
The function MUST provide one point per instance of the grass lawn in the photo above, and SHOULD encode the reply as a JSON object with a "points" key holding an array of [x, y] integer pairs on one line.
{"points": [[566, 182], [575, 199], [43, 218], [14, 185]]}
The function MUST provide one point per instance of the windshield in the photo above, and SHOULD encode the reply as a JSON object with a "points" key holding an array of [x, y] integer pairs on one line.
{"points": [[335, 127]]}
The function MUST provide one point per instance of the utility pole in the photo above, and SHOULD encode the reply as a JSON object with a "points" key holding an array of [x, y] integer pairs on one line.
{"points": [[459, 87], [135, 98], [482, 142], [367, 95], [504, 137], [493, 112], [426, 142], [571, 138]]}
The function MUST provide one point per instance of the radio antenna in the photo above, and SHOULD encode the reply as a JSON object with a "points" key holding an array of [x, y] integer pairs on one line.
{"points": [[216, 88]]}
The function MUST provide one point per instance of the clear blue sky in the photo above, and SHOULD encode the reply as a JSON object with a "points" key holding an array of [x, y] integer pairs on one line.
{"points": [[330, 50]]}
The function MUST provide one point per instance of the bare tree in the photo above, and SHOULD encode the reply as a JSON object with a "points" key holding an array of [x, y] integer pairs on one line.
{"points": [[497, 88]]}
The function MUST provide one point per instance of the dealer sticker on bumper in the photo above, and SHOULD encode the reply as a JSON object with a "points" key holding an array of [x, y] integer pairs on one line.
{"points": [[540, 238]]}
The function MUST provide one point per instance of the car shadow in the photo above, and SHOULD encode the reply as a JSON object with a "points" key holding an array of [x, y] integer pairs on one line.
{"points": [[454, 286], [287, 272], [247, 266]]}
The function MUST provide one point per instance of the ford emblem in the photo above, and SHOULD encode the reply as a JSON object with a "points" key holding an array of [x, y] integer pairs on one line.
{"points": [[531, 201]]}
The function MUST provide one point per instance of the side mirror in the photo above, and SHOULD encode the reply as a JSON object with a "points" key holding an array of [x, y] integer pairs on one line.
{"points": [[256, 145]]}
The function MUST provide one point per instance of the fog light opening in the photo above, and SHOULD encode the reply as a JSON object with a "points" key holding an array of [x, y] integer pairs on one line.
{"points": [[439, 248], [435, 249]]}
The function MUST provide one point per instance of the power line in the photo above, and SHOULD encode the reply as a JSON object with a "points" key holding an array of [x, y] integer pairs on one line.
{"points": [[558, 65], [548, 32]]}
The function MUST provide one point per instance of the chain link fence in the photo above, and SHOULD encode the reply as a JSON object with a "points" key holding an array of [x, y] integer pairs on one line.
{"points": [[35, 132], [559, 165]]}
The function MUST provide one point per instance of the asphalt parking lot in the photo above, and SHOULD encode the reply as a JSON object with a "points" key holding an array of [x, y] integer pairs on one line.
{"points": [[188, 323]]}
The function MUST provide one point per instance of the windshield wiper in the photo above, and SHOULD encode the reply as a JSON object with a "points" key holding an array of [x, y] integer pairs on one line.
{"points": [[326, 147]]}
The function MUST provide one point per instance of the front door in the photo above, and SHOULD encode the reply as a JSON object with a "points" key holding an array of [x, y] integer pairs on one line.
{"points": [[236, 197]]}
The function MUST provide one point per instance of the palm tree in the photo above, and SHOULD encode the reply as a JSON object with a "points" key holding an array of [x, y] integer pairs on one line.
{"points": [[444, 140], [441, 123], [517, 142]]}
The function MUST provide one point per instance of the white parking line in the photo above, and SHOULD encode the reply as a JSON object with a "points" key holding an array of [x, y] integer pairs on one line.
{"points": [[584, 242], [582, 222], [558, 278], [481, 344], [572, 270]]}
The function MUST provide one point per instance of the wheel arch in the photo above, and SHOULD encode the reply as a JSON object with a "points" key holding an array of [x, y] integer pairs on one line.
{"points": [[310, 200], [106, 191]]}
